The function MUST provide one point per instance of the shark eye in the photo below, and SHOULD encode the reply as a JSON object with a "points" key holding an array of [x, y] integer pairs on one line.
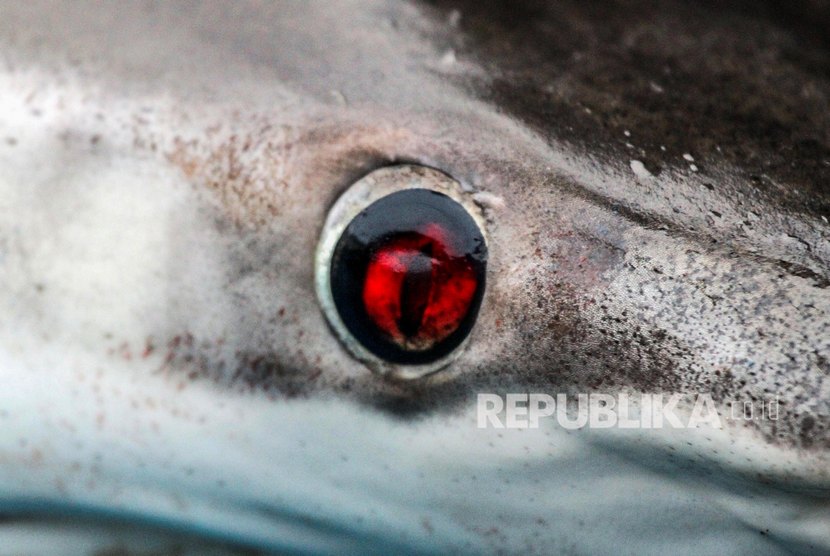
{"points": [[407, 275], [401, 270]]}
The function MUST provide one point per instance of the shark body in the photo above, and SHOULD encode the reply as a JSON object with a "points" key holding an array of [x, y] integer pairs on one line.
{"points": [[654, 186]]}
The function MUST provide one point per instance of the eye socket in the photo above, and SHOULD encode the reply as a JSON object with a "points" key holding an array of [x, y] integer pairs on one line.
{"points": [[401, 270]]}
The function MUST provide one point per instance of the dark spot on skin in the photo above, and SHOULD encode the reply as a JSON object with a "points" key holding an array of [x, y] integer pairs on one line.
{"points": [[807, 425]]}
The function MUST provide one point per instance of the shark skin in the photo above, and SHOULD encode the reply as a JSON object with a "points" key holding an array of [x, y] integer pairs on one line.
{"points": [[654, 184]]}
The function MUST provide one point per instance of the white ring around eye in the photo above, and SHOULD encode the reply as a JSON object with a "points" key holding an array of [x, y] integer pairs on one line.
{"points": [[358, 196]]}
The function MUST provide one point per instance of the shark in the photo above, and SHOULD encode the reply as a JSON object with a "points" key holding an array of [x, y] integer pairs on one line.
{"points": [[653, 180]]}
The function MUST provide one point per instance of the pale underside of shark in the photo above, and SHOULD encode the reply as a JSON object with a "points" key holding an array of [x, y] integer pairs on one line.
{"points": [[169, 383]]}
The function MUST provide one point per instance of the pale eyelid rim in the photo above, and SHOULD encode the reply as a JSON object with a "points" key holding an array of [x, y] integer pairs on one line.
{"points": [[351, 202]]}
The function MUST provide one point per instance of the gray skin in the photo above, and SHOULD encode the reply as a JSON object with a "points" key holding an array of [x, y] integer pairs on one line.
{"points": [[167, 170]]}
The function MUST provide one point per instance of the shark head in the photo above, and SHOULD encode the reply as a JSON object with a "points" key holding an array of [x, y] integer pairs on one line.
{"points": [[656, 223]]}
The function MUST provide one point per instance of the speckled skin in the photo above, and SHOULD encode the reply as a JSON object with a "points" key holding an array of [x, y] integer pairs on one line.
{"points": [[165, 171]]}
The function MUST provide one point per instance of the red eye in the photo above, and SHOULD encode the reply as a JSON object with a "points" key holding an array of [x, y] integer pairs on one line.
{"points": [[417, 291], [407, 276]]}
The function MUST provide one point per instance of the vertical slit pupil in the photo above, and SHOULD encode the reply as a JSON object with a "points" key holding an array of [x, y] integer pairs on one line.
{"points": [[415, 290]]}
